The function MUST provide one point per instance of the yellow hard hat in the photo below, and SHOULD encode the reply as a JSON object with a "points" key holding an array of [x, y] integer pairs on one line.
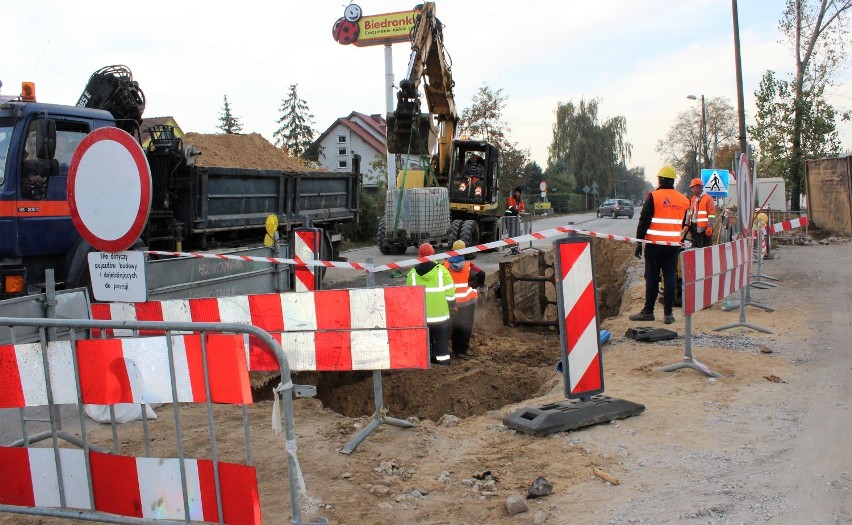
{"points": [[761, 219], [667, 172], [459, 244]]}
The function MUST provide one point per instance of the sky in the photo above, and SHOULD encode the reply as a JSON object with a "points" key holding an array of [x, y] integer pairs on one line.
{"points": [[640, 59]]}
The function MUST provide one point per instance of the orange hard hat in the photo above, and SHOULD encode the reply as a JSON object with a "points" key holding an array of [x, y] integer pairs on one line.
{"points": [[696, 182]]}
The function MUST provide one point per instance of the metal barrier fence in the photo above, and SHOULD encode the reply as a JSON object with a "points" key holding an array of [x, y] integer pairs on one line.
{"points": [[509, 226], [108, 479]]}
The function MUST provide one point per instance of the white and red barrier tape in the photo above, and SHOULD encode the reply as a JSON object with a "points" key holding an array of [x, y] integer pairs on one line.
{"points": [[513, 241], [323, 330], [129, 486], [783, 226]]}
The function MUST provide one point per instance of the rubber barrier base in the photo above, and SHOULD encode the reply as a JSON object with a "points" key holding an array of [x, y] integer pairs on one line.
{"points": [[570, 414], [650, 334]]}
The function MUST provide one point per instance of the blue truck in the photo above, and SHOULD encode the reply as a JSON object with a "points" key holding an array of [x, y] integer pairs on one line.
{"points": [[193, 207]]}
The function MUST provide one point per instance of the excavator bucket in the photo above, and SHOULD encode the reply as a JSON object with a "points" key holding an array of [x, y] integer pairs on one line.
{"points": [[408, 134]]}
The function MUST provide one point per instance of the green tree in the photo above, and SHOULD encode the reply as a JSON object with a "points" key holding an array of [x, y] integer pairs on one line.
{"points": [[228, 123], [682, 145], [775, 126], [586, 150], [296, 133], [816, 29]]}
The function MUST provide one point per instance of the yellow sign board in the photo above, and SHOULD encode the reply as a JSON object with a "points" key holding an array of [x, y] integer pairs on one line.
{"points": [[541, 205], [384, 29]]}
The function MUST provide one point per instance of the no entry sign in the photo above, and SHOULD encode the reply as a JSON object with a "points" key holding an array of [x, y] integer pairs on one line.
{"points": [[109, 189]]}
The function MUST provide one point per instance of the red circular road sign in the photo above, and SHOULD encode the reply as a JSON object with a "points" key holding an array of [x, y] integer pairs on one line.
{"points": [[109, 189]]}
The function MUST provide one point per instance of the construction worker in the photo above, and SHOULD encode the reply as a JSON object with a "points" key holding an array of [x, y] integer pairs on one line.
{"points": [[440, 294], [514, 209], [467, 277], [699, 216], [661, 219]]}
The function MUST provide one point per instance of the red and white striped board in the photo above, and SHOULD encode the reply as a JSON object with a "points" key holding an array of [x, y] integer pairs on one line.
{"points": [[579, 329], [306, 247], [325, 330], [710, 274], [128, 486], [125, 371], [783, 226]]}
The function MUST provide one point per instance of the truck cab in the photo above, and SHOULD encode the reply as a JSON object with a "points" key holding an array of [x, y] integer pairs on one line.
{"points": [[36, 144]]}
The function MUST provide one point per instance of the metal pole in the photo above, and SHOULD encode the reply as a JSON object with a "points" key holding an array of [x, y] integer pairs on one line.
{"points": [[389, 109], [739, 68], [703, 136]]}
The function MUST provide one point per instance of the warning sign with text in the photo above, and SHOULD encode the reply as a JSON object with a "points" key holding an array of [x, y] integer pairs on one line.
{"points": [[118, 277]]}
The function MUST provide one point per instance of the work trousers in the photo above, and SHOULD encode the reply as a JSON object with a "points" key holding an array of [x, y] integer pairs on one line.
{"points": [[657, 258], [439, 340], [699, 240], [461, 327]]}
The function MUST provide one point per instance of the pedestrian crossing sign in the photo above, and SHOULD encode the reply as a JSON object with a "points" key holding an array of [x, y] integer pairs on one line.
{"points": [[715, 182]]}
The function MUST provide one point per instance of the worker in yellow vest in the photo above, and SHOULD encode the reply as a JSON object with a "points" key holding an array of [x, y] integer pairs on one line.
{"points": [[440, 294], [467, 277], [662, 219]]}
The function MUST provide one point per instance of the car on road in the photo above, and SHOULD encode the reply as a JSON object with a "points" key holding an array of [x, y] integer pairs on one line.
{"points": [[616, 208]]}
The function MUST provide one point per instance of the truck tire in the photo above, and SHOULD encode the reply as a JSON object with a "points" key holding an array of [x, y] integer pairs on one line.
{"points": [[455, 231], [470, 234], [381, 238]]}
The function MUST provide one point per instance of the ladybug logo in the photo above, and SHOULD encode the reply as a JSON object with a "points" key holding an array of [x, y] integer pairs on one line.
{"points": [[346, 30]]}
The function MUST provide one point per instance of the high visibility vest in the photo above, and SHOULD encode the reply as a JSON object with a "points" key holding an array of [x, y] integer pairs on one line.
{"points": [[518, 204], [669, 209], [440, 291], [701, 210], [464, 293]]}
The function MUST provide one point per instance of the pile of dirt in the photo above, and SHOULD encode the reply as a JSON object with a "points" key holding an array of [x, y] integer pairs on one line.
{"points": [[242, 151]]}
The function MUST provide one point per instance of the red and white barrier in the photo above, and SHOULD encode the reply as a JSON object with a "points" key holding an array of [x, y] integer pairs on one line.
{"points": [[578, 309], [306, 247], [544, 234], [783, 226], [710, 274], [324, 330], [115, 371], [128, 486]]}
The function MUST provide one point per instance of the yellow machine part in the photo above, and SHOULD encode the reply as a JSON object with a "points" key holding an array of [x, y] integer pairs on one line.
{"points": [[407, 179]]}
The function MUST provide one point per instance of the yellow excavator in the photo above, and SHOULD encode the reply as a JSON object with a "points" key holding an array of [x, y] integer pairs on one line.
{"points": [[453, 194]]}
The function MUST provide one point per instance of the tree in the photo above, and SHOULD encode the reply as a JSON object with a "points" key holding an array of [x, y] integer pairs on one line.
{"points": [[816, 29], [228, 123], [584, 149], [775, 124], [482, 120], [296, 133], [682, 145]]}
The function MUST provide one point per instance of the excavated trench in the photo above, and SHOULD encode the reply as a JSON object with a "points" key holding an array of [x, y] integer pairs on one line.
{"points": [[509, 364]]}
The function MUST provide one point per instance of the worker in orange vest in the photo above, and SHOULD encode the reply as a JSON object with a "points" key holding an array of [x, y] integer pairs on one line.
{"points": [[699, 216], [467, 278], [662, 219]]}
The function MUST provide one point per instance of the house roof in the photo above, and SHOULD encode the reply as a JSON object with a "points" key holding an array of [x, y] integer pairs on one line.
{"points": [[376, 123]]}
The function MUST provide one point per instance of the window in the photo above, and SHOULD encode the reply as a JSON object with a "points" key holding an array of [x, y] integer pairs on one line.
{"points": [[341, 151], [341, 139], [342, 164]]}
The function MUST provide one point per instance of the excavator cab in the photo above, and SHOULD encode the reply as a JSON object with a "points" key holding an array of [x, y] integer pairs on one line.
{"points": [[474, 171]]}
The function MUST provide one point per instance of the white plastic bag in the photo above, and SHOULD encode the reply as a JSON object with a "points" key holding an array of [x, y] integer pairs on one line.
{"points": [[124, 412]]}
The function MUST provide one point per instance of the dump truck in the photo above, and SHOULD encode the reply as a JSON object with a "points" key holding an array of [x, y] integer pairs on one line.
{"points": [[193, 207]]}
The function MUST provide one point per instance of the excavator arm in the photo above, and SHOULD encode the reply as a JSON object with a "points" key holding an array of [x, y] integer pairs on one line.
{"points": [[429, 62]]}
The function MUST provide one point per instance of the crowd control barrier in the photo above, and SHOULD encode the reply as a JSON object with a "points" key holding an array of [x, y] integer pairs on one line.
{"points": [[206, 365], [709, 275], [369, 329]]}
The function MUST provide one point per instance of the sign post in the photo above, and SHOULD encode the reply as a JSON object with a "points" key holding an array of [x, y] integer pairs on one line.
{"points": [[109, 197]]}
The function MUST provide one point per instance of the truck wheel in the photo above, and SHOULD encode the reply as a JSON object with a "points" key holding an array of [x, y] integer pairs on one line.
{"points": [[381, 238], [398, 249], [455, 231], [470, 234]]}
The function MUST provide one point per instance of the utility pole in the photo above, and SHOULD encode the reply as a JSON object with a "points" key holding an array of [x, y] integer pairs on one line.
{"points": [[739, 67], [703, 134]]}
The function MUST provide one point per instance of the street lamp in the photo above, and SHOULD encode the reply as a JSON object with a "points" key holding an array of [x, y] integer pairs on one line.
{"points": [[703, 130]]}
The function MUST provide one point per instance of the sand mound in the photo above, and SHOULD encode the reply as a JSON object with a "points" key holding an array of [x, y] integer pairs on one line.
{"points": [[242, 151]]}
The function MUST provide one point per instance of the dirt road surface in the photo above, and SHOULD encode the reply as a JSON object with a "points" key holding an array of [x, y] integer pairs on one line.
{"points": [[767, 443]]}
